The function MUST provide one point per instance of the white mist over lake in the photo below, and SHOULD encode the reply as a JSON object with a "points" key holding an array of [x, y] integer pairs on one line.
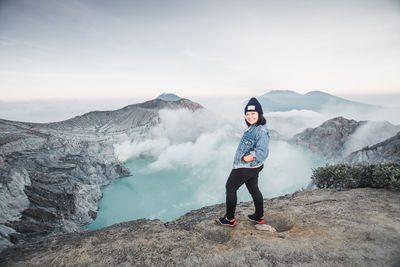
{"points": [[159, 190], [183, 164]]}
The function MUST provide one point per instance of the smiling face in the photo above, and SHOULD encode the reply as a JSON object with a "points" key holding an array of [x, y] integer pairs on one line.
{"points": [[251, 117]]}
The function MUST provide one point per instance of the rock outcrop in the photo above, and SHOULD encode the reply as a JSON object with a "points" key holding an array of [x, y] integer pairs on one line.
{"points": [[51, 173], [386, 151], [325, 227], [329, 138]]}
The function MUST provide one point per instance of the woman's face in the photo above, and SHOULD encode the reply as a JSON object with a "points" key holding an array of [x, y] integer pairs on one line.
{"points": [[252, 117]]}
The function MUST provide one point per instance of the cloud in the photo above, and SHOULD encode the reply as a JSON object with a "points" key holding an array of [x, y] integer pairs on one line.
{"points": [[206, 150], [292, 122], [182, 138], [287, 169], [369, 134], [388, 114], [147, 148]]}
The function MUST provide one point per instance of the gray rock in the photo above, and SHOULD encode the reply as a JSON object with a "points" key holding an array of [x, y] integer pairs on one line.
{"points": [[5, 236], [12, 197], [265, 227]]}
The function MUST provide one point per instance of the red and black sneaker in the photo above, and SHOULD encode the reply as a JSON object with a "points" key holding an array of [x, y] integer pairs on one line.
{"points": [[254, 219], [225, 222]]}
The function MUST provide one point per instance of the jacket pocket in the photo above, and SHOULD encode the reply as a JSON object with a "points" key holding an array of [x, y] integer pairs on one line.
{"points": [[247, 142]]}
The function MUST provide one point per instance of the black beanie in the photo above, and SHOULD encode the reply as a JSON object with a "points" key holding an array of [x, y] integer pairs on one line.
{"points": [[253, 105]]}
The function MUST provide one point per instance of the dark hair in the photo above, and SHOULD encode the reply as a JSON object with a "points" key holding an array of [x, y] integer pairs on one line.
{"points": [[261, 120]]}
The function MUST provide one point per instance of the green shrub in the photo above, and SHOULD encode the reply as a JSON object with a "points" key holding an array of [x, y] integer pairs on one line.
{"points": [[343, 175], [387, 176]]}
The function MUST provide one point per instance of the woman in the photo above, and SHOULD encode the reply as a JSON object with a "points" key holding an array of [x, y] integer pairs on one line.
{"points": [[248, 162]]}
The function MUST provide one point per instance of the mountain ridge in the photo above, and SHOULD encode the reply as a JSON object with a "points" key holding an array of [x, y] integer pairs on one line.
{"points": [[286, 100]]}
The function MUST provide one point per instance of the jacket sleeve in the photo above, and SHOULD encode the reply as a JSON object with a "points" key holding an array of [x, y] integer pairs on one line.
{"points": [[261, 149]]}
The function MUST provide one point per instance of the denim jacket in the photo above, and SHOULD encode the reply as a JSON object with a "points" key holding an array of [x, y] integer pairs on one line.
{"points": [[255, 141]]}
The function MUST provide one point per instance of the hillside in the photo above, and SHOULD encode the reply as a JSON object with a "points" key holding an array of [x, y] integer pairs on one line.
{"points": [[359, 227]]}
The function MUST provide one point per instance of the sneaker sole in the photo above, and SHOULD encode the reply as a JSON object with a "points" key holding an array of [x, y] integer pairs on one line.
{"points": [[227, 225], [257, 222]]}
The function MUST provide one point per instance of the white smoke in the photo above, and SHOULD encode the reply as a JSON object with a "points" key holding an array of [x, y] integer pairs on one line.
{"points": [[206, 149], [390, 114], [146, 148], [369, 134], [289, 123], [182, 137], [287, 169]]}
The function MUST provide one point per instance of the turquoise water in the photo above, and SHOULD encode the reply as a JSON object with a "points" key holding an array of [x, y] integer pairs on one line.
{"points": [[145, 195], [167, 194]]}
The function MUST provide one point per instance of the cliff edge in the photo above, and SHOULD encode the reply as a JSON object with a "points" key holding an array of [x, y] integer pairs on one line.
{"points": [[358, 227]]}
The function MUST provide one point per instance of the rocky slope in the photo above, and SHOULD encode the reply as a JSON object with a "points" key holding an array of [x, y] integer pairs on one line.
{"points": [[359, 227], [329, 138], [51, 173], [337, 138], [388, 150]]}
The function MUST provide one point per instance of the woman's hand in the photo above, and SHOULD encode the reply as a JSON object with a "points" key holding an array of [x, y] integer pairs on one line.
{"points": [[248, 158]]}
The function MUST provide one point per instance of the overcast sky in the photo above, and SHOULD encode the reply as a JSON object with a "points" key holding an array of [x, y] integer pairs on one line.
{"points": [[139, 49]]}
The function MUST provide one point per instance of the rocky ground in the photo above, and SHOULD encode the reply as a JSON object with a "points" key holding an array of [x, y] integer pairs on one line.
{"points": [[358, 227]]}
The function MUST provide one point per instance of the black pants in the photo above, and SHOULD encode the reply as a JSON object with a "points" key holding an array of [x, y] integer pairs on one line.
{"points": [[236, 179]]}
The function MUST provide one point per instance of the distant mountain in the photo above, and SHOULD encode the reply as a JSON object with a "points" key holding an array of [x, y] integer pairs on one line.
{"points": [[168, 97], [278, 100], [120, 121]]}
